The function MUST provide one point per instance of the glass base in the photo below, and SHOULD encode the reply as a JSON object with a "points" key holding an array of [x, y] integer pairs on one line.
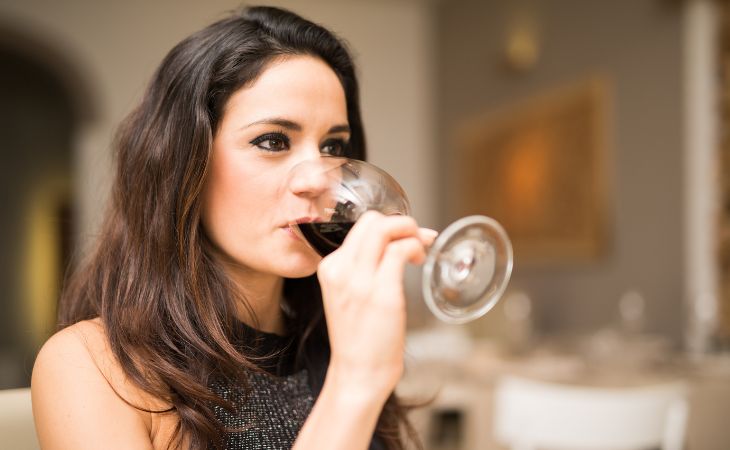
{"points": [[467, 269]]}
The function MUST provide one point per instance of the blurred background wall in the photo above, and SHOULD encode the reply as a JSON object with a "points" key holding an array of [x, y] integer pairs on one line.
{"points": [[635, 47], [73, 69]]}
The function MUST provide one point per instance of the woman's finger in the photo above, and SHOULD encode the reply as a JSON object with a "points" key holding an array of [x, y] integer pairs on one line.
{"points": [[397, 254], [368, 239], [427, 236]]}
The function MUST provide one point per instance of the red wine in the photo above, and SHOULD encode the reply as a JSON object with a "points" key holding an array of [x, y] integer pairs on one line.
{"points": [[325, 237]]}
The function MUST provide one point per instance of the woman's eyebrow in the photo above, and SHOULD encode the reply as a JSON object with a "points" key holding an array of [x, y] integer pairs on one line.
{"points": [[284, 123], [291, 125], [339, 129]]}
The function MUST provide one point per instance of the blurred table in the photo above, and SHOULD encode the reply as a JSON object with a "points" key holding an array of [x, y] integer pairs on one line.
{"points": [[458, 375]]}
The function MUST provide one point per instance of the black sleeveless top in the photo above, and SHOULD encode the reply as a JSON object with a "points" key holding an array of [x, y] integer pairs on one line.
{"points": [[271, 413]]}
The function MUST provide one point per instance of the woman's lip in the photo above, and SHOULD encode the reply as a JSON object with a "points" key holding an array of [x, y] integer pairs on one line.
{"points": [[302, 220], [305, 220], [289, 230], [289, 227]]}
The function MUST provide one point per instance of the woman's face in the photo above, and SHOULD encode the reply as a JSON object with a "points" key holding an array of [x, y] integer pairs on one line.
{"points": [[295, 111]]}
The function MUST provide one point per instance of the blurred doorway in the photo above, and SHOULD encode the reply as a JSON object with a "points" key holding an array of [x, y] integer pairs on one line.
{"points": [[37, 124]]}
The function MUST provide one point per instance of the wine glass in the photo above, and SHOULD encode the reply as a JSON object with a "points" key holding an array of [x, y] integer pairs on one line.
{"points": [[466, 269]]}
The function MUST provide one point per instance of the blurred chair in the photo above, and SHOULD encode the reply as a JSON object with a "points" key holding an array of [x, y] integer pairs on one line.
{"points": [[455, 418], [535, 415], [17, 430]]}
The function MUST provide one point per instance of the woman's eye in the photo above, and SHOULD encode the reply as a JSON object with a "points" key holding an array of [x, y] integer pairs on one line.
{"points": [[272, 142], [334, 147]]}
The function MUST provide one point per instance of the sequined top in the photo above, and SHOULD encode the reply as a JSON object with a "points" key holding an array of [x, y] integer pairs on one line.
{"points": [[269, 415]]}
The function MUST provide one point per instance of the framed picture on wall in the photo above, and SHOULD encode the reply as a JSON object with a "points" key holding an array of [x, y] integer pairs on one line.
{"points": [[539, 166]]}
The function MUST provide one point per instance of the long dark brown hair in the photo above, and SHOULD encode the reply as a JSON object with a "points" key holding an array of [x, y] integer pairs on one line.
{"points": [[165, 302]]}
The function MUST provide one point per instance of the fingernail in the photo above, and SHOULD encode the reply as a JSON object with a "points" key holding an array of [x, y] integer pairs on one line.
{"points": [[429, 233]]}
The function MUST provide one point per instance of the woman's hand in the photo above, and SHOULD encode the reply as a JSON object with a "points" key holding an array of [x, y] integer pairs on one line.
{"points": [[364, 301]]}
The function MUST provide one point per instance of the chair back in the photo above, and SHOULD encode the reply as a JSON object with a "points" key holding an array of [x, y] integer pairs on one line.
{"points": [[533, 414], [17, 429]]}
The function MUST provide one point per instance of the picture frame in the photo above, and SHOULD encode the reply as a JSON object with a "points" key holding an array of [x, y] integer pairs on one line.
{"points": [[539, 166]]}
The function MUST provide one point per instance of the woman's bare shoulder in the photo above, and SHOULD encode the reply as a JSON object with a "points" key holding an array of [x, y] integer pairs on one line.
{"points": [[74, 350], [81, 398], [78, 336], [80, 350]]}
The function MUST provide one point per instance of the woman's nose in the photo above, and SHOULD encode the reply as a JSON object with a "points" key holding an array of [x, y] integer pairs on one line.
{"points": [[309, 178]]}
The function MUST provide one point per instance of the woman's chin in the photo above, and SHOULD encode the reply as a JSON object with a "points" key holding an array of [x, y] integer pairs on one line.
{"points": [[301, 266], [299, 273]]}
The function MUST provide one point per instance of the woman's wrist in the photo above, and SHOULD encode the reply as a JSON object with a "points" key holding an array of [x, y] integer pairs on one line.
{"points": [[361, 388]]}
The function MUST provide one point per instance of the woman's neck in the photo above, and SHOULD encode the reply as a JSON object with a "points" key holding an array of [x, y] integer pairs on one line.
{"points": [[262, 293]]}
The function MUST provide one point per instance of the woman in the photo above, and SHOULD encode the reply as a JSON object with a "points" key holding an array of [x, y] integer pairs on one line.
{"points": [[199, 320]]}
